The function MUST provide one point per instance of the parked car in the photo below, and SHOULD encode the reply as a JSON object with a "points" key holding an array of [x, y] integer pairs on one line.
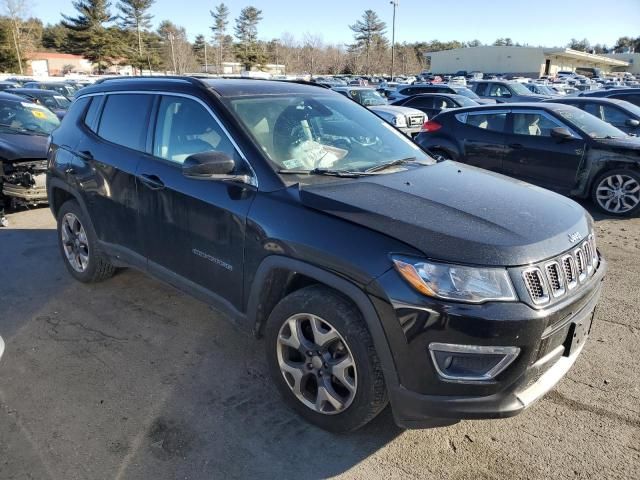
{"points": [[7, 85], [540, 89], [24, 132], [407, 120], [505, 91], [434, 103], [1, 347], [620, 114], [631, 95], [555, 146], [372, 273], [57, 103], [404, 92], [61, 87]]}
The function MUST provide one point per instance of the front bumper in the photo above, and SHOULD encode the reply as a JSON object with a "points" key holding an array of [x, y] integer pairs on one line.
{"points": [[411, 132], [421, 398]]}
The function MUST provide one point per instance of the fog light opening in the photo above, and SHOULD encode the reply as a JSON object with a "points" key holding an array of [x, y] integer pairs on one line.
{"points": [[471, 363]]}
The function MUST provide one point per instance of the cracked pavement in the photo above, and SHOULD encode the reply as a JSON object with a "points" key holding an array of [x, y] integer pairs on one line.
{"points": [[131, 379]]}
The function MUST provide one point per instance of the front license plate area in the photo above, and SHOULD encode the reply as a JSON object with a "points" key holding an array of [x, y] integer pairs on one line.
{"points": [[578, 333]]}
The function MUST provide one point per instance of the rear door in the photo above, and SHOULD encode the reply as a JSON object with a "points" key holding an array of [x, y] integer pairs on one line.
{"points": [[193, 230], [106, 164], [483, 138], [534, 156]]}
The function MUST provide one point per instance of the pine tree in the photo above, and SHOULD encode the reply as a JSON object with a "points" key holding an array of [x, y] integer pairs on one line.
{"points": [[248, 50], [134, 15], [90, 34], [55, 37], [219, 28], [368, 32], [200, 49]]}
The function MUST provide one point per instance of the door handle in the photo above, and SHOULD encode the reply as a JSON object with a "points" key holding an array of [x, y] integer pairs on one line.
{"points": [[151, 181], [516, 146], [86, 154], [70, 171]]}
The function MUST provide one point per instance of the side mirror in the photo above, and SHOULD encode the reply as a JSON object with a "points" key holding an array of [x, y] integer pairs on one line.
{"points": [[632, 122], [561, 133], [212, 165]]}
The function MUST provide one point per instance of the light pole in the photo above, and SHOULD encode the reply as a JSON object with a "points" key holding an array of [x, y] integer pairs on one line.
{"points": [[171, 37], [393, 36]]}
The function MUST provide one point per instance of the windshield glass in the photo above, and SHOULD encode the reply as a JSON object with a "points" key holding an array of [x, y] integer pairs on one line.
{"points": [[520, 89], [546, 90], [589, 124], [24, 117], [62, 102], [320, 131], [466, 93], [465, 101], [368, 97]]}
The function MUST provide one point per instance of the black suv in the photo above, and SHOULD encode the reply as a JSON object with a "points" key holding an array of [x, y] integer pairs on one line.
{"points": [[374, 274]]}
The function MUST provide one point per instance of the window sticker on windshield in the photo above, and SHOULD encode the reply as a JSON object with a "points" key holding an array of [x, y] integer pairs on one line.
{"points": [[293, 163], [38, 114]]}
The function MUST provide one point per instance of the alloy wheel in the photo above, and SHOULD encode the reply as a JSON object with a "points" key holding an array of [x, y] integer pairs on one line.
{"points": [[74, 242], [316, 363], [618, 193]]}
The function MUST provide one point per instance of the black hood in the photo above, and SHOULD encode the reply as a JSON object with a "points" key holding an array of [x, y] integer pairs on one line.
{"points": [[457, 213], [16, 146], [627, 144]]}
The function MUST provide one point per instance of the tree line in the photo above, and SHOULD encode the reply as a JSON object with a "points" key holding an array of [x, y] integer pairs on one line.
{"points": [[120, 32]]}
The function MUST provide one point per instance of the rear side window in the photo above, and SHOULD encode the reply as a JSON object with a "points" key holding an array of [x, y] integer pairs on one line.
{"points": [[493, 121], [533, 124], [125, 120], [481, 88], [420, 102]]}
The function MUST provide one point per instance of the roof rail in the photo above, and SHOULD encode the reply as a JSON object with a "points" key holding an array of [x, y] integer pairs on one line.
{"points": [[301, 82], [192, 80]]}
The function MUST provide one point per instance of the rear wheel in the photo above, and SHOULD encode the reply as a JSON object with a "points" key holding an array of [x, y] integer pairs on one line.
{"points": [[617, 192], [323, 361]]}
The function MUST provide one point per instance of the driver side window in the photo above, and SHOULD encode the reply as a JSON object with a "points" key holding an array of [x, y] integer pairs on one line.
{"points": [[184, 127]]}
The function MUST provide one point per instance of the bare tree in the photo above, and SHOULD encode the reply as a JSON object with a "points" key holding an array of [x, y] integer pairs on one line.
{"points": [[16, 11]]}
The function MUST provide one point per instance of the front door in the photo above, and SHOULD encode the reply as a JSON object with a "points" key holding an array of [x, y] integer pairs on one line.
{"points": [[534, 156], [193, 229]]}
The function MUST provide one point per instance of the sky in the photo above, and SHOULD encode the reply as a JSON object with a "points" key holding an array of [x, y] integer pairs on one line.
{"points": [[547, 23]]}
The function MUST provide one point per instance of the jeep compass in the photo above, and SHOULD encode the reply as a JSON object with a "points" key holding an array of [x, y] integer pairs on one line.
{"points": [[373, 274]]}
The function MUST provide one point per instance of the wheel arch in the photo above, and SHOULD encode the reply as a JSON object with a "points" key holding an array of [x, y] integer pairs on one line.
{"points": [[278, 276], [59, 192]]}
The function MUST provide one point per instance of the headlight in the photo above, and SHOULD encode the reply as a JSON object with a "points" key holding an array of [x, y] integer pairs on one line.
{"points": [[400, 121], [456, 282]]}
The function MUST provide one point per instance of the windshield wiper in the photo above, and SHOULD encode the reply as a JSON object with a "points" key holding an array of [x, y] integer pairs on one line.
{"points": [[326, 171], [392, 163]]}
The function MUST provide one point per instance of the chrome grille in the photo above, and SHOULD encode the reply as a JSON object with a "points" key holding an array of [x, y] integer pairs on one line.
{"points": [[556, 277], [415, 120], [536, 285], [569, 270]]}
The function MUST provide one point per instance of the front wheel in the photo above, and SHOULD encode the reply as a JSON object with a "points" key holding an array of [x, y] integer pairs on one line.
{"points": [[617, 192], [322, 358]]}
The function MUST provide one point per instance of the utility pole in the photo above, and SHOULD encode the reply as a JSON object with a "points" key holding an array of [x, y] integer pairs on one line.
{"points": [[206, 62], [393, 36], [173, 54]]}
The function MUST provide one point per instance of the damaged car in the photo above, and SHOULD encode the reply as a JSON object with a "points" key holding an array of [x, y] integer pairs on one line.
{"points": [[24, 139], [555, 146]]}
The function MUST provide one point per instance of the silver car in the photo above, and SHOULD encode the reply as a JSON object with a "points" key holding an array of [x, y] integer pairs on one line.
{"points": [[408, 120]]}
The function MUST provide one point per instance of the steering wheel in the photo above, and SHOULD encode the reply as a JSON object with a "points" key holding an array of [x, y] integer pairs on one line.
{"points": [[365, 141]]}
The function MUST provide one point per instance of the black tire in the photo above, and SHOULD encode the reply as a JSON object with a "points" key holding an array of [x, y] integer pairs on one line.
{"points": [[370, 395], [98, 267], [601, 181]]}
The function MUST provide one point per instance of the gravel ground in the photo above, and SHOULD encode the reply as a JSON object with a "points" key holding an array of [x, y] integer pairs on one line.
{"points": [[132, 379]]}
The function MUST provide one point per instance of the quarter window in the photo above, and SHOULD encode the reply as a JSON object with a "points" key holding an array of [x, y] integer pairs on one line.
{"points": [[184, 127], [125, 120], [492, 121], [533, 124]]}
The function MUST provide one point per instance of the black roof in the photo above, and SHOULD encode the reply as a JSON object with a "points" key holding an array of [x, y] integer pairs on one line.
{"points": [[226, 87], [551, 106], [608, 92], [33, 91], [602, 100], [9, 96]]}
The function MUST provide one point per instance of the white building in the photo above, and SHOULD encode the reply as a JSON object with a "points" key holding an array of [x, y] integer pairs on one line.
{"points": [[633, 59], [524, 61]]}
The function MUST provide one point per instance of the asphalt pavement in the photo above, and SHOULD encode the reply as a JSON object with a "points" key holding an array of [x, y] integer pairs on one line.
{"points": [[131, 379]]}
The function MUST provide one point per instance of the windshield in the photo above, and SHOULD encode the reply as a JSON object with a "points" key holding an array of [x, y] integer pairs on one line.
{"points": [[546, 90], [62, 102], [520, 89], [465, 92], [589, 124], [322, 131], [368, 98], [465, 101], [24, 117]]}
